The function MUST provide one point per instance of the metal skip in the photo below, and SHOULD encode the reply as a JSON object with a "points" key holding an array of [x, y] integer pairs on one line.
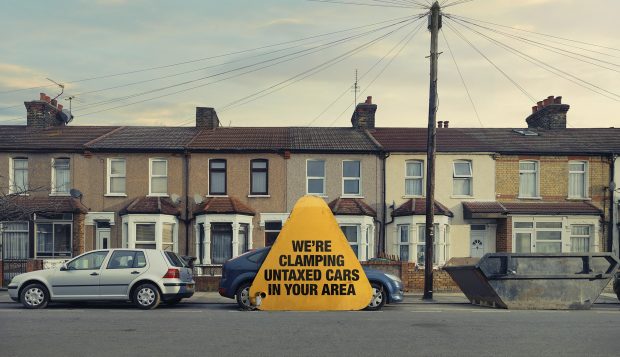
{"points": [[534, 281], [311, 265]]}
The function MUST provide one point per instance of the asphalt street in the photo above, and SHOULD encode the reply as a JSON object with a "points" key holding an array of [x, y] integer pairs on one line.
{"points": [[210, 326]]}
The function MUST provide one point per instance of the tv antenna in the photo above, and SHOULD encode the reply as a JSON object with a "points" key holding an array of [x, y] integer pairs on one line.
{"points": [[356, 89], [70, 99], [62, 87]]}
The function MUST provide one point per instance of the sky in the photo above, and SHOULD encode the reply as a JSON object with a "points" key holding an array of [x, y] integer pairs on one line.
{"points": [[293, 62]]}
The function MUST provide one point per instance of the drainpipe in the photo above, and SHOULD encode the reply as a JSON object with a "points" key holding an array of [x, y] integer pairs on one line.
{"points": [[186, 157], [612, 188], [383, 198]]}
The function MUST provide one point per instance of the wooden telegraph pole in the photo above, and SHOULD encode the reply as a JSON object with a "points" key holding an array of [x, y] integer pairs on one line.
{"points": [[434, 24]]}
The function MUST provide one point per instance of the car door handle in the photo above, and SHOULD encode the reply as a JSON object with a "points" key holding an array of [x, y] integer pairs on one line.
{"points": [[94, 274], [135, 272]]}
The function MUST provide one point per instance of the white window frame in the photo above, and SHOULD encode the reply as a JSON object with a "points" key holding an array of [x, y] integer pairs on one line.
{"points": [[25, 242], [308, 178], [590, 235], [409, 243], [54, 190], [421, 178], [129, 229], [13, 189], [151, 176], [365, 234], [205, 221], [442, 237], [585, 178], [352, 178], [536, 171], [124, 177], [469, 177]]}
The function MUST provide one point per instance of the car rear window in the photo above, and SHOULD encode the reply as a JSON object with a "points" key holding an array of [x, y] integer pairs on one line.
{"points": [[256, 257], [175, 260]]}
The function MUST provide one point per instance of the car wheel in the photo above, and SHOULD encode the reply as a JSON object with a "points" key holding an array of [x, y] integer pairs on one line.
{"points": [[617, 286], [174, 301], [34, 296], [378, 299], [243, 296], [146, 296]]}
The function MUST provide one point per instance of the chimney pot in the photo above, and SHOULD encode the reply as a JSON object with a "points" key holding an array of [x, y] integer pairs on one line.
{"points": [[54, 102], [60, 107], [42, 96], [547, 102], [549, 114], [558, 100], [440, 124], [369, 99], [540, 105], [534, 109], [47, 98], [445, 123]]}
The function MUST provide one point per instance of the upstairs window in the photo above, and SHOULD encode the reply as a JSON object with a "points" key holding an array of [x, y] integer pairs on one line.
{"points": [[315, 177], [259, 177], [351, 178], [528, 179], [577, 179], [61, 176], [462, 178], [116, 176], [217, 177], [19, 176], [158, 177], [414, 178]]}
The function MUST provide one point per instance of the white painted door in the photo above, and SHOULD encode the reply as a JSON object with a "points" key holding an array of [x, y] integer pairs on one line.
{"points": [[103, 238], [477, 240]]}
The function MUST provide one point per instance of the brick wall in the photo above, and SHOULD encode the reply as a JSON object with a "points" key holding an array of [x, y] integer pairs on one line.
{"points": [[207, 283], [504, 235], [413, 277], [78, 234]]}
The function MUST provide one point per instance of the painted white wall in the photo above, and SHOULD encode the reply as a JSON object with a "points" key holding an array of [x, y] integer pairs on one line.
{"points": [[483, 168]]}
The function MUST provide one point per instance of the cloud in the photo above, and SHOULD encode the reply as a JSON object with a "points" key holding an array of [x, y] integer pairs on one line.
{"points": [[283, 21], [14, 76]]}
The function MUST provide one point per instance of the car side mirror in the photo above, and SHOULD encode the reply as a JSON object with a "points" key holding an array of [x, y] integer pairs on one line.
{"points": [[63, 267]]}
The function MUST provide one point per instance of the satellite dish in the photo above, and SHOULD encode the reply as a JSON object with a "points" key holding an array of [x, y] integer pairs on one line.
{"points": [[75, 193], [198, 199], [66, 116], [175, 198]]}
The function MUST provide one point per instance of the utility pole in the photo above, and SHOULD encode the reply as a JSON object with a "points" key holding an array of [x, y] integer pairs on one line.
{"points": [[434, 24]]}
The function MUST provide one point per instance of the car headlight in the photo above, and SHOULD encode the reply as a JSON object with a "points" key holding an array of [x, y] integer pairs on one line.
{"points": [[393, 277]]}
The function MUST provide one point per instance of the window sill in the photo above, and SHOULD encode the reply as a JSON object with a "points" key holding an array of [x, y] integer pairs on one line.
{"points": [[352, 196], [413, 196], [579, 199], [222, 195], [61, 194], [529, 198], [19, 194], [317, 195], [463, 197], [259, 196], [115, 195], [157, 195]]}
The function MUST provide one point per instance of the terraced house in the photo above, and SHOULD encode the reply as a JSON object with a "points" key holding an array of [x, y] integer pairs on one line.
{"points": [[215, 192]]}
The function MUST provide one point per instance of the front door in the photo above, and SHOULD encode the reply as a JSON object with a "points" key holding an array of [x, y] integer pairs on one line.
{"points": [[81, 278], [478, 235], [103, 238]]}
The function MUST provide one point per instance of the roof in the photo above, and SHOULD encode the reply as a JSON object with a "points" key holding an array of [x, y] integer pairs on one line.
{"points": [[65, 138], [494, 209], [19, 207], [151, 205], [145, 138], [352, 207], [417, 206], [223, 205], [502, 140]]}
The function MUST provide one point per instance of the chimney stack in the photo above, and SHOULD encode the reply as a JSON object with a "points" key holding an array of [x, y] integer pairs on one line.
{"points": [[206, 118], [445, 123], [43, 113], [364, 115], [440, 124], [549, 113]]}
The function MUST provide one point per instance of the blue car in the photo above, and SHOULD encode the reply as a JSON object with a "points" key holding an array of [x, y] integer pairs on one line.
{"points": [[238, 274]]}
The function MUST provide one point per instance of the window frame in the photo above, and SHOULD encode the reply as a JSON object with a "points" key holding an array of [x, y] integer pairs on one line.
{"points": [[358, 234], [212, 170], [421, 178], [585, 178], [536, 172], [399, 229], [467, 177], [352, 178], [259, 170], [4, 230], [54, 188], [590, 236], [308, 178], [151, 177], [110, 176], [137, 242], [13, 189], [53, 254]]}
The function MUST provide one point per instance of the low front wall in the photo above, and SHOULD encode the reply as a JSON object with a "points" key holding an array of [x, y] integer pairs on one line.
{"points": [[207, 283], [31, 265], [413, 277]]}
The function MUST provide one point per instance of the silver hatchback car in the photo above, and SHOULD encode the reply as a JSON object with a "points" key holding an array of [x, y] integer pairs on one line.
{"points": [[143, 276]]}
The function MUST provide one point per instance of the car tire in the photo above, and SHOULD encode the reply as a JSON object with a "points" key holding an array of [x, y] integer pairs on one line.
{"points": [[243, 296], [378, 299], [617, 286], [146, 296], [34, 296], [174, 301]]}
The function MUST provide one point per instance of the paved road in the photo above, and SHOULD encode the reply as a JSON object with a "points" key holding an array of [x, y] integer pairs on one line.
{"points": [[218, 328]]}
